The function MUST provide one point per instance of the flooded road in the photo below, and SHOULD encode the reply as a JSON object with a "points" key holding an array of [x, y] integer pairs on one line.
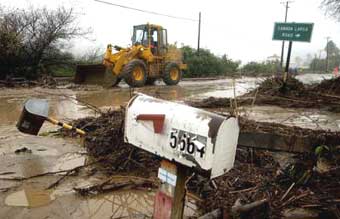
{"points": [[68, 104], [24, 156]]}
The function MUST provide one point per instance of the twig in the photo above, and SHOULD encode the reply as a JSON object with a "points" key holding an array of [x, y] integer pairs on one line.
{"points": [[108, 185], [7, 173], [49, 173], [294, 198], [193, 196], [88, 105], [56, 183], [243, 190], [288, 190]]}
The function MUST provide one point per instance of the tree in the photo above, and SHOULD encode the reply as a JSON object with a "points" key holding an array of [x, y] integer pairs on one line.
{"points": [[320, 64], [91, 56], [268, 67], [333, 55], [332, 8], [206, 63], [35, 38], [333, 50]]}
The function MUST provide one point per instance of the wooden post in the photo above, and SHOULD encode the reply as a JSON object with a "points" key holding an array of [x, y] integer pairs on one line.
{"points": [[170, 198], [285, 74], [180, 192]]}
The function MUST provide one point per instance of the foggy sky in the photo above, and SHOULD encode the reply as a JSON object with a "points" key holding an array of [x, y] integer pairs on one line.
{"points": [[241, 29]]}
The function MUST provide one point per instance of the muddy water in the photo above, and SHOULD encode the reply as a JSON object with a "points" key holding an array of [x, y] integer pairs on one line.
{"points": [[29, 199], [305, 118], [68, 104]]}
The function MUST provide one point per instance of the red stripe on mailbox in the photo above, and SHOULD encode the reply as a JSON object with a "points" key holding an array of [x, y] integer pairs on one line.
{"points": [[157, 119]]}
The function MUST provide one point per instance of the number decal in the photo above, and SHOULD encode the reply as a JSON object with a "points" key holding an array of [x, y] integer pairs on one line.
{"points": [[188, 143], [183, 143], [173, 140], [201, 152], [190, 146]]}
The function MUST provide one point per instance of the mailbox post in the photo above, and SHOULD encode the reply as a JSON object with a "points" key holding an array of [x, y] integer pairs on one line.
{"points": [[170, 198], [186, 138]]}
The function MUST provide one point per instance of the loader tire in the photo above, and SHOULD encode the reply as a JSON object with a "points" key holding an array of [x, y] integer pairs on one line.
{"points": [[134, 73], [113, 79], [172, 74], [116, 81]]}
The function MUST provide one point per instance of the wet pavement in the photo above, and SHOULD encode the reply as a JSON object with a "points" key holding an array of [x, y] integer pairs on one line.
{"points": [[48, 153]]}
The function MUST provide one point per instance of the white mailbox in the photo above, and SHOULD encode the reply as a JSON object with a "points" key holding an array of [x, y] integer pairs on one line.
{"points": [[187, 135]]}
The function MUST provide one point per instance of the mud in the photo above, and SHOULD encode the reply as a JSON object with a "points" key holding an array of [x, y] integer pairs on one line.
{"points": [[29, 197], [51, 153]]}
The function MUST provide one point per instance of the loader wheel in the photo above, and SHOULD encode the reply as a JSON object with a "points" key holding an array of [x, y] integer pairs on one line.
{"points": [[134, 73], [172, 74], [113, 80]]}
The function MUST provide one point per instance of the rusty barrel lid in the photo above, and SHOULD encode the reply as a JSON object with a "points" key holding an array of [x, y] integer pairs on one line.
{"points": [[32, 117]]}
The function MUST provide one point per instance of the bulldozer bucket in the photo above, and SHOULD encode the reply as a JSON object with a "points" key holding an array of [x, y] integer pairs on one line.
{"points": [[97, 74]]}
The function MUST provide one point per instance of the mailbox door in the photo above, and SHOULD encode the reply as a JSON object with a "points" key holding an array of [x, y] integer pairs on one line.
{"points": [[226, 144]]}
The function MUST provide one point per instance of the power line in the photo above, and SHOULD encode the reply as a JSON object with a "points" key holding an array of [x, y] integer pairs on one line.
{"points": [[145, 11]]}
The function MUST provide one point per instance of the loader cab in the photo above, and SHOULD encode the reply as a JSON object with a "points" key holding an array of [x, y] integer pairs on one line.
{"points": [[151, 36]]}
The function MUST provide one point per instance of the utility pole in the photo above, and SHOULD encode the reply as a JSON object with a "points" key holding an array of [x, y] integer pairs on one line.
{"points": [[199, 33], [327, 54], [283, 42]]}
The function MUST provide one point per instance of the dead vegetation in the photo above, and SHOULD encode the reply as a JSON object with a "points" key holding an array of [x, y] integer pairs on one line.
{"points": [[105, 138], [295, 95], [260, 185], [257, 187], [330, 86], [257, 177]]}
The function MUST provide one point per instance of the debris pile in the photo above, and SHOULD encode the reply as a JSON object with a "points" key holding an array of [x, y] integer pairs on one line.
{"points": [[105, 139], [272, 92], [258, 180], [331, 86], [45, 81], [273, 86], [257, 187]]}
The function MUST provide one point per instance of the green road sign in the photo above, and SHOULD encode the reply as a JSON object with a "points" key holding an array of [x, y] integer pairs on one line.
{"points": [[293, 31]]}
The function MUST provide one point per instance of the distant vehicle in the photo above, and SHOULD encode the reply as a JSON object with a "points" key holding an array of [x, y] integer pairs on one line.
{"points": [[149, 58]]}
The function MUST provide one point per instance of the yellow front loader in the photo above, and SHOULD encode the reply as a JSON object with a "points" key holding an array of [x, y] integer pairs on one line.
{"points": [[148, 59]]}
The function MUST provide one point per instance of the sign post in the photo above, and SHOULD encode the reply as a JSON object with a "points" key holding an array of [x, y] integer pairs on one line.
{"points": [[299, 32]]}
